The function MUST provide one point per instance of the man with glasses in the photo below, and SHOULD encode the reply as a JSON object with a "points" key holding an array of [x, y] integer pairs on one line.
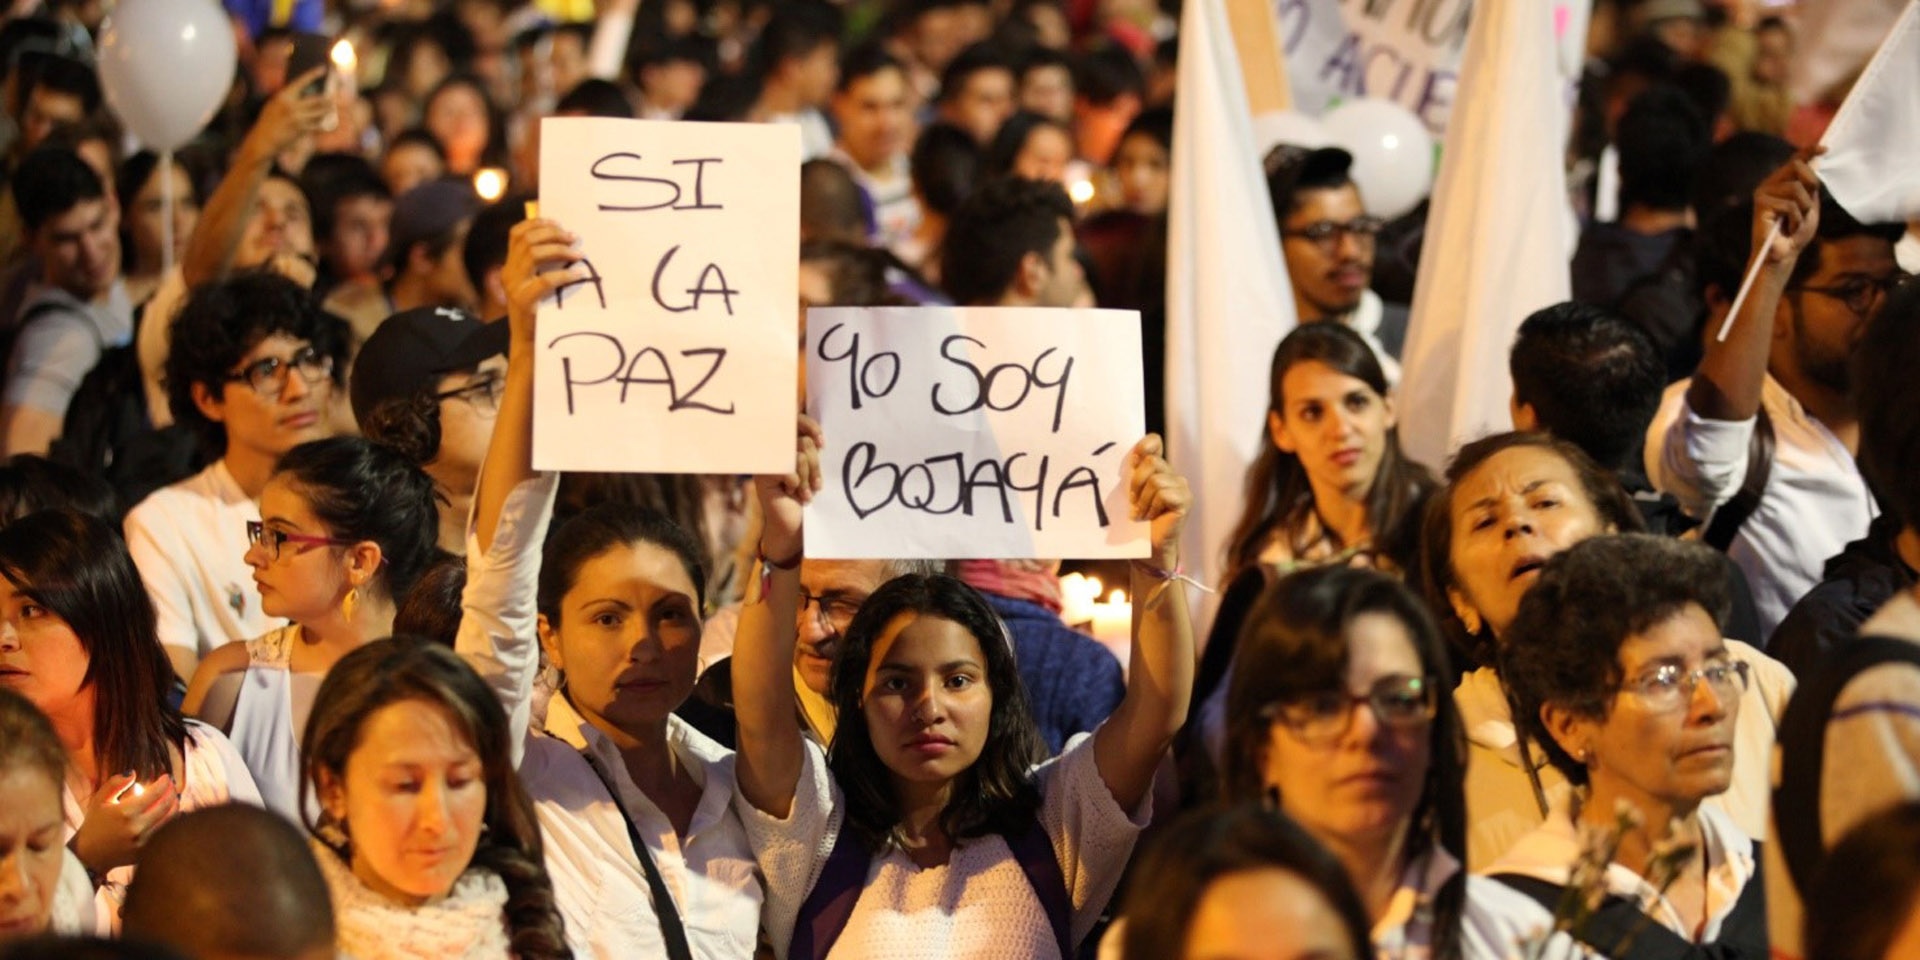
{"points": [[1760, 443], [1328, 241], [252, 371], [428, 383], [831, 592]]}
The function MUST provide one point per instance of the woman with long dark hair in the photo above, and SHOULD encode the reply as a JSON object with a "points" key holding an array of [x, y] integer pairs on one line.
{"points": [[79, 642], [925, 826], [346, 527], [428, 842], [1339, 715]]}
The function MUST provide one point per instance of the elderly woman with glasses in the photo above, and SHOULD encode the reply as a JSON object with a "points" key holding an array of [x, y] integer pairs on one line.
{"points": [[1337, 714], [1618, 668]]}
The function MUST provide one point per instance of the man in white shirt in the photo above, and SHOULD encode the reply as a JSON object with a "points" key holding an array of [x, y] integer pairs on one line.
{"points": [[1787, 357], [252, 368], [874, 112]]}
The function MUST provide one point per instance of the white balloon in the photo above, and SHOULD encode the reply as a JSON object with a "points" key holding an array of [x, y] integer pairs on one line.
{"points": [[166, 66], [1290, 127], [1392, 153]]}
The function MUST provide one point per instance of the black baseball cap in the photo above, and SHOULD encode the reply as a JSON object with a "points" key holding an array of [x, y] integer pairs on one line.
{"points": [[409, 352]]}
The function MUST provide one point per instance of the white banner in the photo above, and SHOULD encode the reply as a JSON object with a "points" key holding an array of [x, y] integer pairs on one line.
{"points": [[1407, 51], [972, 432], [679, 355]]}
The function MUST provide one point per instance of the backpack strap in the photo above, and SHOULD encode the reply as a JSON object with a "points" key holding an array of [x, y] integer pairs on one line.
{"points": [[672, 930], [1803, 745], [1734, 513], [1620, 930], [829, 905]]}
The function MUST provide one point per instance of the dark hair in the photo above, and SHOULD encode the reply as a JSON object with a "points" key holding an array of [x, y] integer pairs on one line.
{"points": [[51, 947], [1041, 58], [78, 567], [994, 795], [51, 181], [794, 32], [1002, 222], [363, 490], [1592, 378], [594, 97], [27, 740], [1726, 242], [1884, 391], [1563, 647], [1156, 124], [864, 61], [1708, 88], [1295, 641], [30, 483], [602, 527], [494, 154], [1733, 169], [231, 880], [486, 244], [832, 205], [331, 179], [432, 608], [1012, 138], [1608, 498], [976, 58], [135, 172], [1279, 498], [1863, 893], [1207, 845], [418, 137], [945, 164], [221, 321], [1106, 73], [386, 672], [1662, 142], [1307, 172], [64, 75], [859, 274]]}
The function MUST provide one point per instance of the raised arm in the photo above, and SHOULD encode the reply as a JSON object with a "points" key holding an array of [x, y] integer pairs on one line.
{"points": [[512, 504], [1727, 384], [1128, 747], [286, 118], [767, 767]]}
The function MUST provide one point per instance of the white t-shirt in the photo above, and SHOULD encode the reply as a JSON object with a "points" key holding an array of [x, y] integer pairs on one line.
{"points": [[189, 541]]}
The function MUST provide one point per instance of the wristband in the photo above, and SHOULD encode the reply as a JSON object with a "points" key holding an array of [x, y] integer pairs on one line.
{"points": [[1167, 578]]}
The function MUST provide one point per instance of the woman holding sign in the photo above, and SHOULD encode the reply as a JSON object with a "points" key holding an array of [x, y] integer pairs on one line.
{"points": [[647, 856], [926, 829]]}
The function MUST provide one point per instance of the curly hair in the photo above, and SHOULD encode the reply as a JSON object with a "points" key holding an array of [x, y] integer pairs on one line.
{"points": [[1279, 497], [1295, 642], [995, 228], [367, 491], [1604, 495], [386, 672], [1564, 645], [221, 321], [994, 795]]}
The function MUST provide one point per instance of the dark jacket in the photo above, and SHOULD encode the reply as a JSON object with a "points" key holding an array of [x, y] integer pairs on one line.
{"points": [[1072, 681], [1856, 583]]}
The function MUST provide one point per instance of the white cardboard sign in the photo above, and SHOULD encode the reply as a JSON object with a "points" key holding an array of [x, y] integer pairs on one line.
{"points": [[974, 432], [679, 355]]}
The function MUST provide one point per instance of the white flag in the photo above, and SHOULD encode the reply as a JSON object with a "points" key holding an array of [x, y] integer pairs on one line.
{"points": [[1872, 164], [1228, 299], [1498, 236]]}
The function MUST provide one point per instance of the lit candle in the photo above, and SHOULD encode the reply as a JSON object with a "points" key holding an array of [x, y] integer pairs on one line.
{"points": [[344, 59], [490, 183]]}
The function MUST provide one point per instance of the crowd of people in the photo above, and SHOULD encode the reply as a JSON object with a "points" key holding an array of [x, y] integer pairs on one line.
{"points": [[301, 657]]}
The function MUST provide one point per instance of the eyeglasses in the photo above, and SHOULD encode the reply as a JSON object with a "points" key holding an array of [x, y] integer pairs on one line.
{"points": [[268, 377], [1399, 701], [1670, 686], [832, 612], [261, 535], [482, 394], [1860, 294], [1327, 234]]}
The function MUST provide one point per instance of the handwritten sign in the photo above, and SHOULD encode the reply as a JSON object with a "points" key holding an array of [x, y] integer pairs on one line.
{"points": [[1407, 51], [974, 432], [679, 354]]}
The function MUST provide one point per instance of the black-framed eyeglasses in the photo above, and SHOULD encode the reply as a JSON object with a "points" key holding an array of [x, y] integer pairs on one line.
{"points": [[831, 611], [261, 535], [1670, 686], [1399, 701], [268, 376], [482, 393], [1860, 294], [1327, 234]]}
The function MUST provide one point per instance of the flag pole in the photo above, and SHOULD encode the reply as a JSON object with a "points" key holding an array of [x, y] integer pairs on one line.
{"points": [[1753, 273]]}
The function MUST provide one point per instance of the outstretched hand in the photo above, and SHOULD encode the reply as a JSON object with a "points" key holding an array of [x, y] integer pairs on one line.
{"points": [[291, 114], [534, 248], [1159, 496], [783, 496]]}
